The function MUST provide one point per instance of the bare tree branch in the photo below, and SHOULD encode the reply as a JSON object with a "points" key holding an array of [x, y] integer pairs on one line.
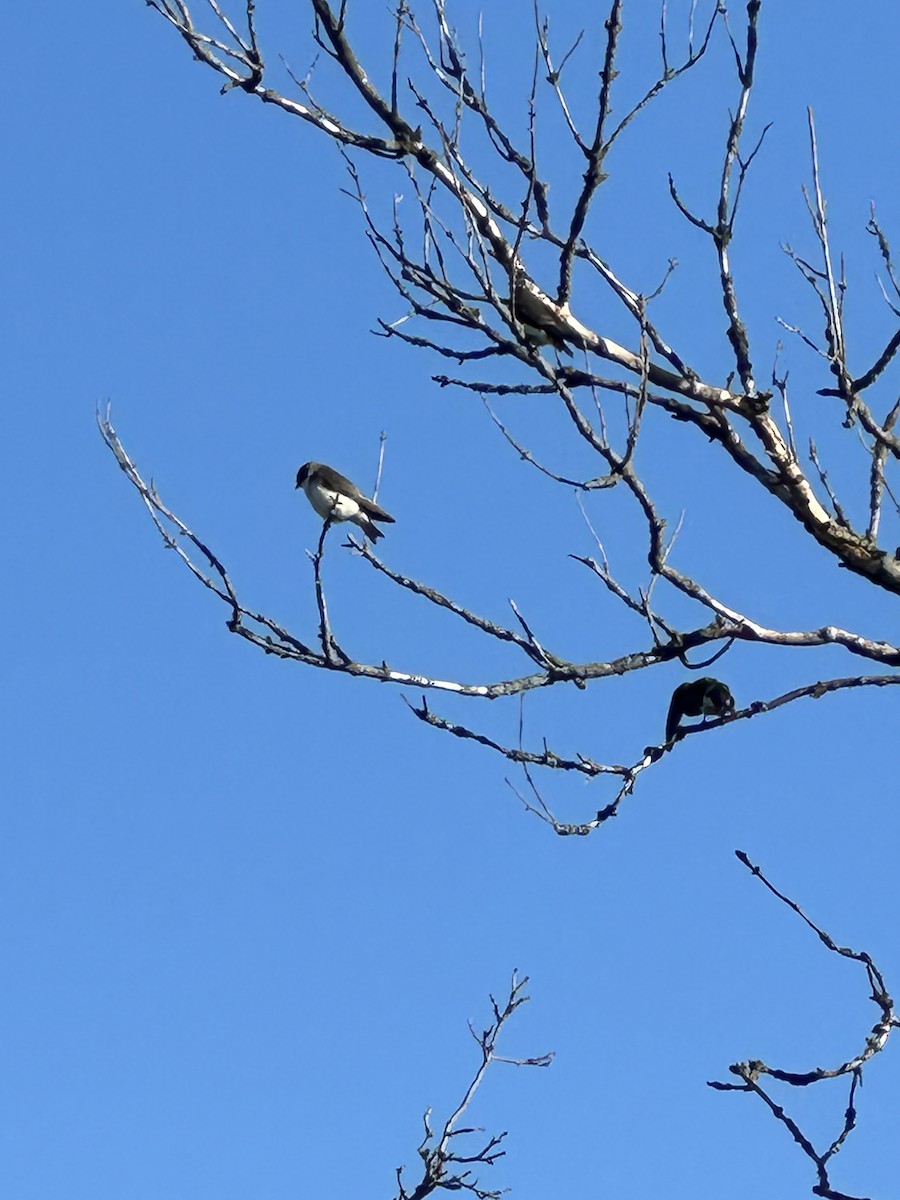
{"points": [[752, 1071], [445, 1165], [467, 254]]}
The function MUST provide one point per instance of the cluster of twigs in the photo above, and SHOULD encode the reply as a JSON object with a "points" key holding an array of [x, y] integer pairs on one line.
{"points": [[444, 1164]]}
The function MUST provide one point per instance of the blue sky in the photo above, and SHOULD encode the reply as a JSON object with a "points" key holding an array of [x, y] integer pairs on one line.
{"points": [[247, 907]]}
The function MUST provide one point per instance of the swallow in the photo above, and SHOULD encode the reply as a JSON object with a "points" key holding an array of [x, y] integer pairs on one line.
{"points": [[335, 498], [538, 315], [705, 697]]}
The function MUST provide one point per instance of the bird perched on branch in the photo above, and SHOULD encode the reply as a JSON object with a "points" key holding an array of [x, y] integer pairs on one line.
{"points": [[705, 697], [335, 498], [538, 315]]}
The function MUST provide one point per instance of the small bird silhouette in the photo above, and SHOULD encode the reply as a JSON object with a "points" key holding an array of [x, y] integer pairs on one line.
{"points": [[705, 697], [335, 498]]}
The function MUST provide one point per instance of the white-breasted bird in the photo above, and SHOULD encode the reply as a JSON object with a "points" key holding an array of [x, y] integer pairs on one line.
{"points": [[706, 697], [335, 498]]}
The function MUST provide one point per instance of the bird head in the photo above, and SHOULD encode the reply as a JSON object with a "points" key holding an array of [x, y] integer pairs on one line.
{"points": [[717, 699], [303, 475]]}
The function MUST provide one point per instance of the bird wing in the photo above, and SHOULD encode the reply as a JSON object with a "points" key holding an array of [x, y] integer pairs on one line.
{"points": [[541, 315], [687, 701], [334, 481], [676, 712], [374, 510], [529, 308]]}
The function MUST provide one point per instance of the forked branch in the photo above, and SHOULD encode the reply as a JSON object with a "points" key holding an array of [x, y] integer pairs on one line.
{"points": [[750, 1073], [448, 1158]]}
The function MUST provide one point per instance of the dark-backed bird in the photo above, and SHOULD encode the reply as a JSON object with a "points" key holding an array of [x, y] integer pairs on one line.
{"points": [[538, 316], [705, 697], [335, 498]]}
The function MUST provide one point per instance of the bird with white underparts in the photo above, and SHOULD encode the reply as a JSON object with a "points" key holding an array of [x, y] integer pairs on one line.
{"points": [[335, 498], [706, 697]]}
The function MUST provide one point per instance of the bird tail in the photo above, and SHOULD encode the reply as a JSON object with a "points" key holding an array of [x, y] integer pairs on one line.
{"points": [[369, 528]]}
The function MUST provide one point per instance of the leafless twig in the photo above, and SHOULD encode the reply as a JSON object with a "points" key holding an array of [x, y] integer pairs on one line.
{"points": [[445, 1164]]}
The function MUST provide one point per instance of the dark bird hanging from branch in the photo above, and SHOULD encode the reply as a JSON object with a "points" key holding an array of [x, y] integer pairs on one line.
{"points": [[335, 498], [705, 697]]}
